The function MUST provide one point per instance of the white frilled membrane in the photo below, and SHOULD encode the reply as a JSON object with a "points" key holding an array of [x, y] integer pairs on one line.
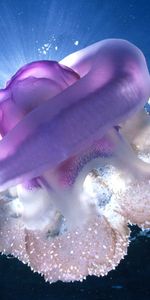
{"points": [[93, 246]]}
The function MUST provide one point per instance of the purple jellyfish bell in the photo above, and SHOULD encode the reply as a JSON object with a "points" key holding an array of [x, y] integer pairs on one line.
{"points": [[114, 84], [68, 163]]}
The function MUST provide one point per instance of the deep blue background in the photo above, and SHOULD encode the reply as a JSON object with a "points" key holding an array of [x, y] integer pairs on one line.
{"points": [[25, 26]]}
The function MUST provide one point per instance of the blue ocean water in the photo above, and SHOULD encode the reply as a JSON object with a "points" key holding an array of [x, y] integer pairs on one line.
{"points": [[44, 29]]}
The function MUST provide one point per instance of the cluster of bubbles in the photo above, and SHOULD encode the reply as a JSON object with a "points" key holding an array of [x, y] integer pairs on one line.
{"points": [[52, 44]]}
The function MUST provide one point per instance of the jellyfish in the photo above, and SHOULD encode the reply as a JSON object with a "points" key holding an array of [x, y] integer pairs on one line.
{"points": [[74, 160]]}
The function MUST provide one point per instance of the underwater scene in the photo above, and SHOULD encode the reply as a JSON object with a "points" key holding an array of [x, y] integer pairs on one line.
{"points": [[74, 150]]}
